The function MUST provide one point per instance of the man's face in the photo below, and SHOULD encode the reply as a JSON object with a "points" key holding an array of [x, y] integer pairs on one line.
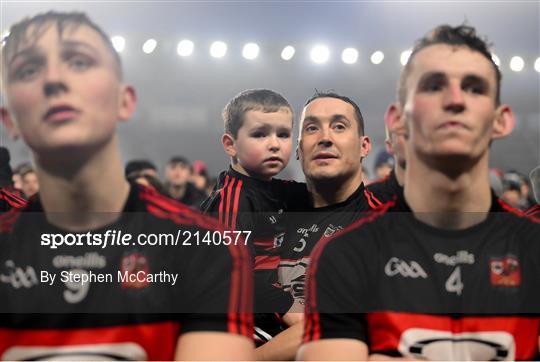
{"points": [[30, 184], [330, 147], [450, 107], [177, 174], [264, 142], [63, 90]]}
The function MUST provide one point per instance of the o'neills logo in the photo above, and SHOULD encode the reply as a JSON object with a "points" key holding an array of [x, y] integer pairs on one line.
{"points": [[87, 261], [133, 266], [312, 229], [461, 257]]}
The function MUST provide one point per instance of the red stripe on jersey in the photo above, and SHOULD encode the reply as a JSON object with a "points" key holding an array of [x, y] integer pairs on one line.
{"points": [[372, 200], [8, 219], [311, 305], [12, 199], [533, 210], [524, 214], [264, 262], [240, 318], [235, 206], [264, 243], [222, 199], [386, 329], [158, 340], [240, 298], [228, 202]]}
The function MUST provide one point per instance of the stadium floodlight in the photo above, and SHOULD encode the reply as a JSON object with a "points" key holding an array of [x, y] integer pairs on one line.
{"points": [[537, 65], [320, 54], [149, 46], [349, 56], [517, 64], [250, 51], [185, 48], [119, 43], [404, 58], [496, 59], [288, 52], [218, 49], [377, 57]]}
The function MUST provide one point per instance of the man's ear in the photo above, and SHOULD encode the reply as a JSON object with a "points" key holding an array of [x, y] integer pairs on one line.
{"points": [[365, 147], [128, 100], [393, 117], [9, 124], [229, 144], [504, 122]]}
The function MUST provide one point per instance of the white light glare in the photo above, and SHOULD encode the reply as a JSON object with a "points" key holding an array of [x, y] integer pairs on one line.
{"points": [[496, 59], [250, 51], [349, 56], [185, 48], [517, 64], [320, 54], [377, 57], [405, 56], [218, 49], [287, 53], [119, 43], [4, 35], [149, 46], [537, 65]]}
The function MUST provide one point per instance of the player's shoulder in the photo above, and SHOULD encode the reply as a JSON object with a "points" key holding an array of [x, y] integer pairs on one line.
{"points": [[162, 207], [364, 233]]}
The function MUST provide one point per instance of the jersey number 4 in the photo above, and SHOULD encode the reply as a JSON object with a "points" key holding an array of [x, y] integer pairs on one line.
{"points": [[453, 283]]}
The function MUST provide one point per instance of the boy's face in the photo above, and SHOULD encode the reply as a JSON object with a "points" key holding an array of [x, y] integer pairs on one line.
{"points": [[63, 91], [450, 107], [264, 142], [330, 146]]}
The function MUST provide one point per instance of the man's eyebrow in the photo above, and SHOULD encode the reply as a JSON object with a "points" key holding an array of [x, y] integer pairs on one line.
{"points": [[432, 75], [310, 119], [340, 117], [73, 44], [476, 78], [25, 53]]}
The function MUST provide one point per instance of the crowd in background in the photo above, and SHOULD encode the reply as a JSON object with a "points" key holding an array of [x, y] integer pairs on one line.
{"points": [[190, 182]]}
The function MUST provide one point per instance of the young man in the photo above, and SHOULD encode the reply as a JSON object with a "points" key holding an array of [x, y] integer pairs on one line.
{"points": [[453, 279], [64, 94], [331, 148], [391, 187], [177, 181], [247, 197]]}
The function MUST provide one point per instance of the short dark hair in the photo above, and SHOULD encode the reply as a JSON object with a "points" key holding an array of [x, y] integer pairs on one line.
{"points": [[462, 35], [134, 167], [264, 100], [332, 94], [18, 32], [178, 159]]}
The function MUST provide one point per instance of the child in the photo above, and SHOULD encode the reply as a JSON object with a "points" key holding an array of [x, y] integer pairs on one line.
{"points": [[258, 139]]}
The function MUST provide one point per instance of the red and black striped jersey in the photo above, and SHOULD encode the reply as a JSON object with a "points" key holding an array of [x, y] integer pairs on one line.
{"points": [[409, 289], [306, 228], [142, 310], [10, 199], [244, 203]]}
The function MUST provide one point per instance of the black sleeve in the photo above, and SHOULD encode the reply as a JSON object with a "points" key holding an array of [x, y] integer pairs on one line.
{"points": [[218, 288], [337, 291]]}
